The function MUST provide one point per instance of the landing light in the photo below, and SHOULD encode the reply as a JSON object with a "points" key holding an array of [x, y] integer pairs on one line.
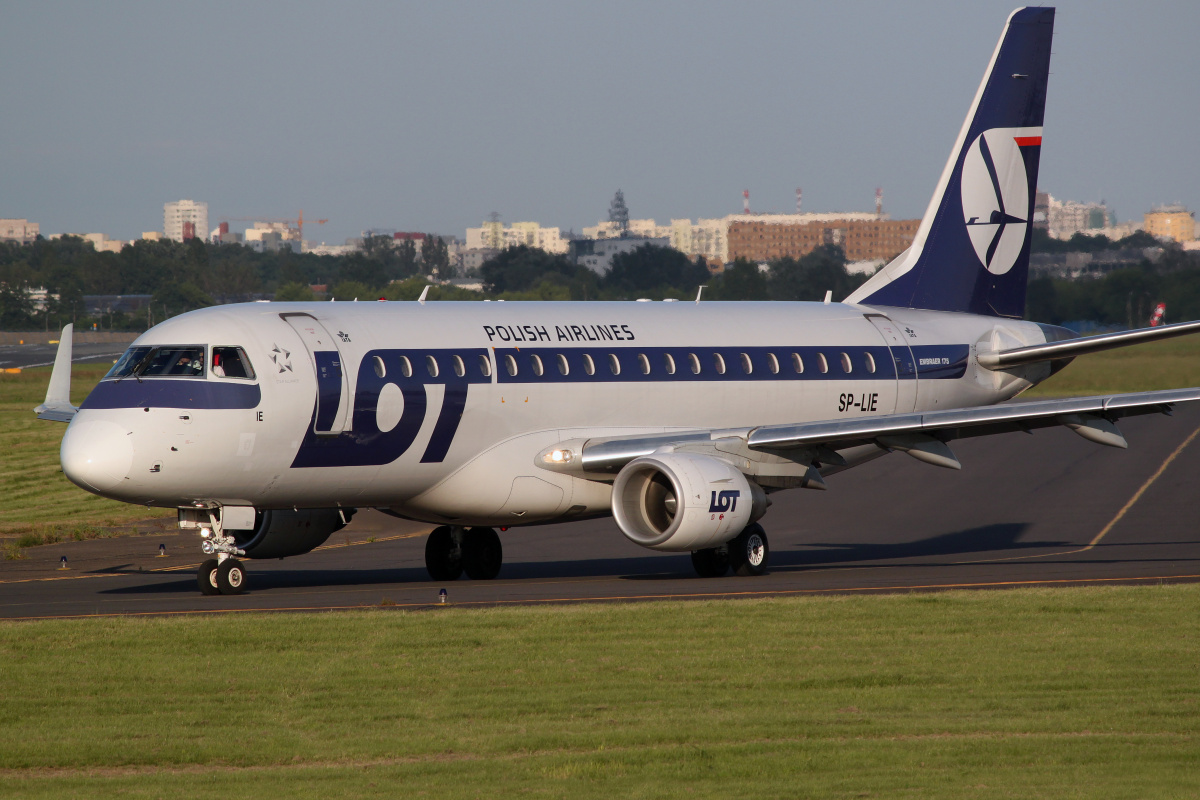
{"points": [[560, 456]]}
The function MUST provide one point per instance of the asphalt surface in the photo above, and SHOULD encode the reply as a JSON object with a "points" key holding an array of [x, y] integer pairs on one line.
{"points": [[1046, 509], [26, 356]]}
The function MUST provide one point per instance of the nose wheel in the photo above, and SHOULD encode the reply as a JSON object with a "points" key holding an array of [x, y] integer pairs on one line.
{"points": [[221, 577], [452, 550]]}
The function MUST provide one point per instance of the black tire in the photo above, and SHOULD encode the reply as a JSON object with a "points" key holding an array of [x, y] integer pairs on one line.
{"points": [[443, 559], [712, 562], [231, 577], [483, 555], [206, 578], [749, 552]]}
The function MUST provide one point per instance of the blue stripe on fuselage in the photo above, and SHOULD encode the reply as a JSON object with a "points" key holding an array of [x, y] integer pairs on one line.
{"points": [[167, 393]]}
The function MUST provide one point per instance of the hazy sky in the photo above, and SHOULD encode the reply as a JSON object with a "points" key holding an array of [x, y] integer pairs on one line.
{"points": [[428, 116]]}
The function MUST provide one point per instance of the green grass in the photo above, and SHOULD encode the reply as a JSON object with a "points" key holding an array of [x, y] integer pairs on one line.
{"points": [[1172, 364], [36, 499], [1032, 693]]}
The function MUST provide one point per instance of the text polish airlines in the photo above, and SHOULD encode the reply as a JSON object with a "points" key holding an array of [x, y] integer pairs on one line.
{"points": [[267, 425]]}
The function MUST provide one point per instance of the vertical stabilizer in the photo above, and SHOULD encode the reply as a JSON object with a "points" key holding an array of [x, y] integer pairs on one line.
{"points": [[971, 251]]}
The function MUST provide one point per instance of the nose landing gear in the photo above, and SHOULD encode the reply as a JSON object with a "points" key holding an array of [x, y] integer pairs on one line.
{"points": [[223, 574]]}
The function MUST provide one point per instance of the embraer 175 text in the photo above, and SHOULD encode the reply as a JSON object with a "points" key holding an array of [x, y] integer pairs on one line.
{"points": [[268, 425]]}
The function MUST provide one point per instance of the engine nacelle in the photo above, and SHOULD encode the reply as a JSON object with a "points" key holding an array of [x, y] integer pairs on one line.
{"points": [[277, 534], [684, 501]]}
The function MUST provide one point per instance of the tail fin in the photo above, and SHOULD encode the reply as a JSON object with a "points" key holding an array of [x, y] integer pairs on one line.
{"points": [[971, 251]]}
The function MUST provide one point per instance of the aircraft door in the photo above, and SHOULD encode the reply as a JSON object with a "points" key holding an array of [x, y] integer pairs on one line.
{"points": [[902, 357], [333, 384]]}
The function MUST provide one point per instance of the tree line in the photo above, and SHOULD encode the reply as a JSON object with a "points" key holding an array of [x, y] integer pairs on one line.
{"points": [[183, 276]]}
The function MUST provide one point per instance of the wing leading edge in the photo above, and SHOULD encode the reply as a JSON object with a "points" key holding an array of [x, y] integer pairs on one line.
{"points": [[923, 436]]}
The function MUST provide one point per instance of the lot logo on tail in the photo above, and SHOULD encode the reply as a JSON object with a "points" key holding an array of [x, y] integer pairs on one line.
{"points": [[995, 195]]}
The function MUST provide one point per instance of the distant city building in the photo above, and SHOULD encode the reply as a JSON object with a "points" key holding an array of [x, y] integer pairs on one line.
{"points": [[472, 258], [493, 235], [1171, 222], [266, 237], [99, 241], [597, 254], [153, 236], [18, 230], [1065, 218], [185, 219], [222, 235], [1075, 266], [864, 237]]}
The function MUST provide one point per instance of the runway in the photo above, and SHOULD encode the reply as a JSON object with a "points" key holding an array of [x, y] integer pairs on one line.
{"points": [[27, 356], [1044, 509]]}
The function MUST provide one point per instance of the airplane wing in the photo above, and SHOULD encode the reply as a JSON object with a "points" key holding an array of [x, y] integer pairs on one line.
{"points": [[57, 407], [924, 436], [1069, 348]]}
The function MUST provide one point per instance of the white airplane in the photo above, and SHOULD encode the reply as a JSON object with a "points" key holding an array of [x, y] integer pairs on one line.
{"points": [[268, 425]]}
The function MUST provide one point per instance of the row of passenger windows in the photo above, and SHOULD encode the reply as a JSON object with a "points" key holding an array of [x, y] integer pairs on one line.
{"points": [[691, 363]]}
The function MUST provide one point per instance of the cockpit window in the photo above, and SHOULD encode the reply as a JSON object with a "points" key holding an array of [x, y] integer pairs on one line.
{"points": [[231, 362], [182, 361]]}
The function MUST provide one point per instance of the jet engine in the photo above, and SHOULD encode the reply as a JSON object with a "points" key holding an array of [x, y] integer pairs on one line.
{"points": [[277, 534], [684, 501]]}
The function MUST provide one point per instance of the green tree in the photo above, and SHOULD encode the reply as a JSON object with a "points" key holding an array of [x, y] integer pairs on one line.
{"points": [[354, 290], [651, 270], [173, 299], [517, 269], [294, 292], [16, 308], [811, 275], [741, 280]]}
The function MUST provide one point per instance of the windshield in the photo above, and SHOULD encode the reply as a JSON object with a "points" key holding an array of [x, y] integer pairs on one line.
{"points": [[166, 360]]}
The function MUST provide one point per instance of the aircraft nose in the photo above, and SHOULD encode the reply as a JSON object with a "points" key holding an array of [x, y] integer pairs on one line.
{"points": [[96, 454]]}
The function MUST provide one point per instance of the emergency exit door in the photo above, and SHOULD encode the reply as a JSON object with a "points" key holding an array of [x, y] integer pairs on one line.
{"points": [[333, 384], [902, 357]]}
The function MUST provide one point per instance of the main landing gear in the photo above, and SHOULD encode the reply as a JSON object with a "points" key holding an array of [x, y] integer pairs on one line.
{"points": [[223, 574], [747, 553], [452, 550]]}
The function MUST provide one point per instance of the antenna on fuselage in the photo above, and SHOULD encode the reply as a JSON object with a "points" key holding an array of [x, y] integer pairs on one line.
{"points": [[699, 292], [828, 296], [424, 294]]}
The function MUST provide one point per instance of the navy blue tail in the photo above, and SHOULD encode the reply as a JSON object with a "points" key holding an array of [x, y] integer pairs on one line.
{"points": [[971, 252]]}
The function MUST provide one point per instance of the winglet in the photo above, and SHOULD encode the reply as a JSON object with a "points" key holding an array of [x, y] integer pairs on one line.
{"points": [[58, 406]]}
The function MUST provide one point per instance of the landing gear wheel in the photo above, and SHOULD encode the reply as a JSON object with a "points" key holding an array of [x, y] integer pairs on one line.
{"points": [[749, 551], [712, 562], [482, 554], [206, 578], [231, 577], [443, 556]]}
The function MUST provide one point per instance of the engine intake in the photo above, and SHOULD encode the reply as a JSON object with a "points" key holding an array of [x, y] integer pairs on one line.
{"points": [[684, 501], [277, 534]]}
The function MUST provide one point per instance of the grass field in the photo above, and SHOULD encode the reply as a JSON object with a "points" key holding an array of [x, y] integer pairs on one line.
{"points": [[1032, 693]]}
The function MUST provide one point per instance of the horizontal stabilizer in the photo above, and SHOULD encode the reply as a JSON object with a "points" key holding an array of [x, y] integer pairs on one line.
{"points": [[57, 407], [1069, 348]]}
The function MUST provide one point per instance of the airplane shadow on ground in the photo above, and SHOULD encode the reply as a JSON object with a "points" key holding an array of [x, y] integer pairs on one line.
{"points": [[999, 538]]}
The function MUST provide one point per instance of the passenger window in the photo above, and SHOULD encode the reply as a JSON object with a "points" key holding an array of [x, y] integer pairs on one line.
{"points": [[589, 366], [232, 362], [431, 365], [870, 361], [563, 367], [846, 365], [510, 364], [614, 364], [694, 363], [773, 363], [669, 363], [747, 366], [405, 367], [644, 363], [822, 364], [376, 362], [536, 361], [719, 363], [460, 369], [798, 363], [485, 366]]}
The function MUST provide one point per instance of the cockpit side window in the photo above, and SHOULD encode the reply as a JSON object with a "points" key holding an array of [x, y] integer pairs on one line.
{"points": [[231, 362], [172, 361]]}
